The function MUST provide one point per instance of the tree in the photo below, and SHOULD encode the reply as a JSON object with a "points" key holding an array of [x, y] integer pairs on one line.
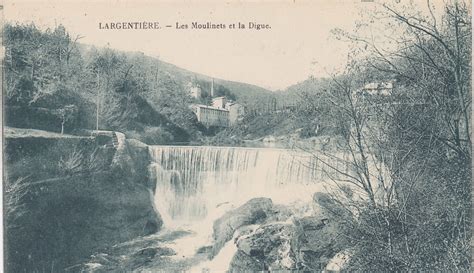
{"points": [[409, 151], [66, 114], [429, 55], [222, 91], [36, 62]]}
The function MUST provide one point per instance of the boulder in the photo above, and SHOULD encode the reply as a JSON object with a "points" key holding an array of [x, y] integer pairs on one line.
{"points": [[143, 257], [134, 261], [340, 261], [268, 248], [327, 206], [254, 211], [315, 241], [280, 213], [306, 244], [241, 262]]}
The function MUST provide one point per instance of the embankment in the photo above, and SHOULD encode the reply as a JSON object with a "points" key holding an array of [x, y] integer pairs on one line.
{"points": [[70, 196]]}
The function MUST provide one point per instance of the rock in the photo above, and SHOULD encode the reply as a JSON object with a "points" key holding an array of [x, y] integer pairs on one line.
{"points": [[254, 211], [327, 206], [280, 213], [204, 249], [139, 162], [315, 242], [306, 244], [144, 257], [151, 252], [152, 226], [104, 259], [268, 248], [242, 262], [340, 261], [103, 262], [147, 253], [142, 254]]}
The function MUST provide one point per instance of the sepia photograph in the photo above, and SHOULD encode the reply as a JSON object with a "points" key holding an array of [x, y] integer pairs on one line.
{"points": [[236, 136]]}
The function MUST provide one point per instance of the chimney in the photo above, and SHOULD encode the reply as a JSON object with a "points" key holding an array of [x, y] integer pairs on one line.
{"points": [[212, 88]]}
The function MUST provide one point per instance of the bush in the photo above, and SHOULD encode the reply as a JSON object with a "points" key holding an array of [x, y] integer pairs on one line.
{"points": [[152, 135], [15, 193]]}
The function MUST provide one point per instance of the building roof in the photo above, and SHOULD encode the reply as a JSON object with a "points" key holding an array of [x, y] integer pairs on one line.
{"points": [[217, 98], [210, 107]]}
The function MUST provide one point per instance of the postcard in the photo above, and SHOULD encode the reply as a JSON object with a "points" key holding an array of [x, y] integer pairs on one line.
{"points": [[237, 136]]}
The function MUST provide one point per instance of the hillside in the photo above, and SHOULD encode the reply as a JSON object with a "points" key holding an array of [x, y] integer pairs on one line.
{"points": [[295, 92], [243, 92], [57, 84], [302, 110]]}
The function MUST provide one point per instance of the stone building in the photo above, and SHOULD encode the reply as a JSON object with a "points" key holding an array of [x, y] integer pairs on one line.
{"points": [[211, 116], [221, 113]]}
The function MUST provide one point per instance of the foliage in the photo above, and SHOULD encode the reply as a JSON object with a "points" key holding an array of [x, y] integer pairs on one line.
{"points": [[77, 161], [15, 194], [304, 110], [37, 62], [219, 91], [71, 163], [410, 150], [129, 92], [66, 114], [152, 136]]}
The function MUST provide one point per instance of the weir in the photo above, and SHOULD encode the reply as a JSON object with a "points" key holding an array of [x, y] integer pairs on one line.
{"points": [[195, 182]]}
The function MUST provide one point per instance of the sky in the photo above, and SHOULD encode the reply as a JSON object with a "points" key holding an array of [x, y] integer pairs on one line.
{"points": [[299, 43]]}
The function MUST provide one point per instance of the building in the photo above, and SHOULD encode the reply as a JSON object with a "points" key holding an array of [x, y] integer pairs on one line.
{"points": [[377, 88], [211, 116], [194, 90], [374, 92], [236, 112], [219, 102], [221, 113]]}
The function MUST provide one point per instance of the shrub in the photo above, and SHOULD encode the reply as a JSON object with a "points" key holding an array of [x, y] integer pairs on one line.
{"points": [[152, 135]]}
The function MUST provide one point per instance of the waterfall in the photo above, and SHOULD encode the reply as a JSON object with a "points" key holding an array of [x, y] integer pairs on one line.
{"points": [[193, 182]]}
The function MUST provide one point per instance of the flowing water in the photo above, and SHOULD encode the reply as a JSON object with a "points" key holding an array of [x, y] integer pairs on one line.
{"points": [[197, 184]]}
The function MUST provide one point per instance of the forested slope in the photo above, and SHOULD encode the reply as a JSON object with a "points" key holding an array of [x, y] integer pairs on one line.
{"points": [[55, 83]]}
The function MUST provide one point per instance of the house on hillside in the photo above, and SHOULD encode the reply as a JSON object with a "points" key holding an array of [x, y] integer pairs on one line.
{"points": [[374, 89], [378, 88], [194, 90]]}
